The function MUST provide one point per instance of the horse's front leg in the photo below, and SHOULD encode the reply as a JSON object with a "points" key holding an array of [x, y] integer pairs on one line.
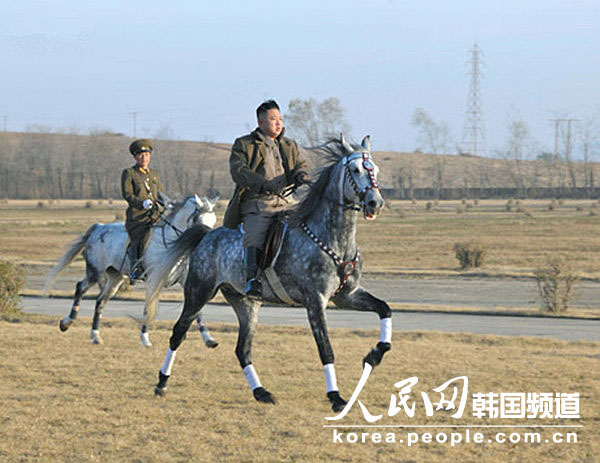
{"points": [[209, 341], [318, 324], [364, 301]]}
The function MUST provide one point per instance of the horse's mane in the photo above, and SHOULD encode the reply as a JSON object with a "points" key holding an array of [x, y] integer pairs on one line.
{"points": [[331, 152]]}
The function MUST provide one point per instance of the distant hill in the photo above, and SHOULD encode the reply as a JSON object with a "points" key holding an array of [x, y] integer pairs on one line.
{"points": [[77, 166]]}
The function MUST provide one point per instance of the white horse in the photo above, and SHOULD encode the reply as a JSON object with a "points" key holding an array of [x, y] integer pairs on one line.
{"points": [[104, 248]]}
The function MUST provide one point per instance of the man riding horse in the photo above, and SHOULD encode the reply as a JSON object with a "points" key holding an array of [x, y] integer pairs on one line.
{"points": [[263, 164], [141, 188]]}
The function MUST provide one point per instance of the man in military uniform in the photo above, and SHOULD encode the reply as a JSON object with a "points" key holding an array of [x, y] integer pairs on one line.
{"points": [[262, 165], [141, 188]]}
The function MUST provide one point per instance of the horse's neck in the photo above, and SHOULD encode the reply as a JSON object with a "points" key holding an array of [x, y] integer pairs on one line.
{"points": [[178, 220], [333, 224]]}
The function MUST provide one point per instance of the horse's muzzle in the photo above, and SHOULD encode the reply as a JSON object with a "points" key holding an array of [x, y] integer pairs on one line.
{"points": [[373, 204]]}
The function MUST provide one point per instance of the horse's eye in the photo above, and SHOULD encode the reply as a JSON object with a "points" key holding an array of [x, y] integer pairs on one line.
{"points": [[355, 170]]}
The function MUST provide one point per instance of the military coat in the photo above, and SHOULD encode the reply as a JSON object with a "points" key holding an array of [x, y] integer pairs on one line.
{"points": [[247, 157], [136, 187]]}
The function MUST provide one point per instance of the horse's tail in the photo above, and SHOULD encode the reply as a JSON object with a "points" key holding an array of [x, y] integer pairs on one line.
{"points": [[160, 264], [68, 257]]}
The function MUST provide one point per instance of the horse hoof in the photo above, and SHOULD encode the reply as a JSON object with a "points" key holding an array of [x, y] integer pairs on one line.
{"points": [[65, 323], [374, 357], [337, 403], [161, 388], [211, 343], [264, 396]]}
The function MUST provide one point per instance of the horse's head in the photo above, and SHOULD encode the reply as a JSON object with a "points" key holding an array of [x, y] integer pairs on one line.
{"points": [[360, 178], [206, 211], [194, 210]]}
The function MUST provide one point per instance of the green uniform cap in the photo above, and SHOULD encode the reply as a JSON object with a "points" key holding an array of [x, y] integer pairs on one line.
{"points": [[141, 145]]}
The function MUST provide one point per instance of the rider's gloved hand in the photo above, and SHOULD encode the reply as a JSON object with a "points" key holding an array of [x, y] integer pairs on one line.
{"points": [[271, 187], [147, 204]]}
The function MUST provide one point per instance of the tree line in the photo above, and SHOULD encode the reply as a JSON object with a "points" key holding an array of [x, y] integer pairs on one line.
{"points": [[55, 165]]}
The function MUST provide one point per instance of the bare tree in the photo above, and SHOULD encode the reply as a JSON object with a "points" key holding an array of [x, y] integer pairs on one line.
{"points": [[567, 137], [311, 122], [164, 132], [434, 137], [517, 149]]}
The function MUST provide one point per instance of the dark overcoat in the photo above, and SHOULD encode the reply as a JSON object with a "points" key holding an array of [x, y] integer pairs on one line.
{"points": [[247, 155]]}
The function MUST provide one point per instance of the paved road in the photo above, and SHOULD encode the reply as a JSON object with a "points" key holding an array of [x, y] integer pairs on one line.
{"points": [[485, 293], [567, 329]]}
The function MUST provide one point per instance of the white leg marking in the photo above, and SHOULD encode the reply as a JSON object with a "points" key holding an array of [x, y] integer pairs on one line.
{"points": [[252, 377], [95, 335], [386, 330], [145, 338], [206, 337], [168, 363], [330, 378]]}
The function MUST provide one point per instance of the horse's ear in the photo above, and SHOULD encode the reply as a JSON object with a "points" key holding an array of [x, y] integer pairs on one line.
{"points": [[366, 143], [347, 146]]}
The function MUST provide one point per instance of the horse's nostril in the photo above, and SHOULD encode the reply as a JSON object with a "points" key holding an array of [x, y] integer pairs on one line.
{"points": [[372, 204]]}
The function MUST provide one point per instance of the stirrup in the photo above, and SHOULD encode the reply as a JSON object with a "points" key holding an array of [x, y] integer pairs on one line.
{"points": [[136, 274], [254, 288]]}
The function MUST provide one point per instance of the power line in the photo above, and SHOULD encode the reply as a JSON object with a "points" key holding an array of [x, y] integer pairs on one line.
{"points": [[473, 140], [134, 114]]}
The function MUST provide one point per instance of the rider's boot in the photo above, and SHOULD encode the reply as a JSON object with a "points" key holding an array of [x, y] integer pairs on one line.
{"points": [[135, 264], [253, 285]]}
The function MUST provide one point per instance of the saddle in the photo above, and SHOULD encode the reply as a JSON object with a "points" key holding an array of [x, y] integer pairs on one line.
{"points": [[272, 248], [274, 241]]}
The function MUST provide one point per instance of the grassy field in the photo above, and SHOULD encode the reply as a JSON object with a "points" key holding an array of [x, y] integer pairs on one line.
{"points": [[407, 237], [65, 400]]}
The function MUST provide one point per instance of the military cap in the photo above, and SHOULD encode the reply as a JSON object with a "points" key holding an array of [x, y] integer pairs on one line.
{"points": [[141, 145]]}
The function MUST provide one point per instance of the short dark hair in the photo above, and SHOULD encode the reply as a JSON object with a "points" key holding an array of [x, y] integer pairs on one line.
{"points": [[264, 107]]}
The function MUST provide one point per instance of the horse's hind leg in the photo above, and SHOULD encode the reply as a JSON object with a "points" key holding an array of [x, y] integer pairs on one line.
{"points": [[80, 289], [197, 293], [364, 301], [113, 282], [247, 314]]}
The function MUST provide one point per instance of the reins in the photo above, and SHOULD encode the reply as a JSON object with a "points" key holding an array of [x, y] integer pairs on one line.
{"points": [[178, 232]]}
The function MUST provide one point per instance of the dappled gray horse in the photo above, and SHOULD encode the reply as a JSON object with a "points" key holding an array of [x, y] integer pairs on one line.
{"points": [[104, 248], [319, 261]]}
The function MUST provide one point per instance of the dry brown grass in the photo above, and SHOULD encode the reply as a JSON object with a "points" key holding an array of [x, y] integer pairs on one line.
{"points": [[65, 400], [516, 243], [416, 240]]}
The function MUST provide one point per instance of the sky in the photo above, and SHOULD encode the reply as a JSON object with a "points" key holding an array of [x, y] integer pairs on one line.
{"points": [[199, 69]]}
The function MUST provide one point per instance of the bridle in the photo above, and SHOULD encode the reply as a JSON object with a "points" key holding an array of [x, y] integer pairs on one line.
{"points": [[347, 267], [178, 232], [369, 166]]}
